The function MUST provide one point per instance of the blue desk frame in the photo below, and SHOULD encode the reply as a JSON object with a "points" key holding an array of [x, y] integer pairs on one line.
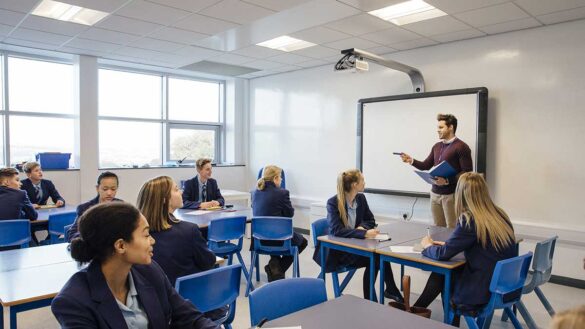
{"points": [[369, 254], [15, 309]]}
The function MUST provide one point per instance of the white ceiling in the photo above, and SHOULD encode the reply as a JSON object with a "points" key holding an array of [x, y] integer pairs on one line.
{"points": [[176, 33]]}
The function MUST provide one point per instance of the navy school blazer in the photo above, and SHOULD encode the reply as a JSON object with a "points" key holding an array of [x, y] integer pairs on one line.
{"points": [[87, 302], [473, 281], [272, 201], [181, 250], [73, 231], [364, 218], [48, 189], [191, 193], [14, 204]]}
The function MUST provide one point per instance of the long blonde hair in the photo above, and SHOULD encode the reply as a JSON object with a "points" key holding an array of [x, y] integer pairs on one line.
{"points": [[269, 173], [344, 182], [570, 319], [472, 200], [153, 202]]}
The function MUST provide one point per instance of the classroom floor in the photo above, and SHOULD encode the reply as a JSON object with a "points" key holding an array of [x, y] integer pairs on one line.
{"points": [[561, 297]]}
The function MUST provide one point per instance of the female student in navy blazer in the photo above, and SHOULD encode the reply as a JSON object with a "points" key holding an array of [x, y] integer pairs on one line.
{"points": [[107, 187], [202, 191], [483, 233], [269, 199], [122, 287], [14, 203], [34, 174], [349, 216]]}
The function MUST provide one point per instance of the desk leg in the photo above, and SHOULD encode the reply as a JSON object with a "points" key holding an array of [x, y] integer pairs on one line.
{"points": [[382, 280], [6, 317], [446, 297], [322, 255], [372, 278]]}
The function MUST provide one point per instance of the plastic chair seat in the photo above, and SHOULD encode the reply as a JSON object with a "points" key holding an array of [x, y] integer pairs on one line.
{"points": [[15, 232], [225, 248]]}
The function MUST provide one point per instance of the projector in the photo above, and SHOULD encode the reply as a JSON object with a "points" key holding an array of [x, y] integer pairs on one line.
{"points": [[361, 65]]}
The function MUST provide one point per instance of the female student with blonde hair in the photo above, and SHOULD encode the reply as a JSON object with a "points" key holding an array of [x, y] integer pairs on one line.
{"points": [[269, 199], [483, 233], [350, 217]]}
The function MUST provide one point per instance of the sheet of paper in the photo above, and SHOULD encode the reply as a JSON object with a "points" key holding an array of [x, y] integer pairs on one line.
{"points": [[381, 237], [404, 249], [197, 212]]}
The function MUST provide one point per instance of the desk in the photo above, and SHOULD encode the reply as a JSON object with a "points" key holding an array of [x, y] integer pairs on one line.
{"points": [[203, 220], [350, 312], [232, 195], [45, 213], [32, 257]]}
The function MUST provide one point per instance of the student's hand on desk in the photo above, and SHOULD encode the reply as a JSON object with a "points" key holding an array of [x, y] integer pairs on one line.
{"points": [[36, 206], [426, 242], [214, 203], [372, 233], [406, 158], [59, 203], [440, 181], [438, 243], [205, 205]]}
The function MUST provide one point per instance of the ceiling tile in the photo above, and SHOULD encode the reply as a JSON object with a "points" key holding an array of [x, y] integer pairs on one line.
{"points": [[352, 43], [369, 5], [23, 6], [563, 16], [289, 58], [27, 43], [286, 68], [492, 15], [423, 42], [236, 11], [107, 6], [320, 35], [108, 36], [5, 29], [52, 25], [257, 52], [460, 35], [439, 25], [188, 5], [458, 6], [177, 35], [263, 64], [313, 63], [197, 52], [381, 50], [156, 45], [92, 45], [78, 51], [10, 17], [127, 25], [204, 24], [541, 7], [276, 5], [317, 52], [390, 36], [511, 26], [233, 59], [39, 36], [152, 12], [359, 24], [136, 52]]}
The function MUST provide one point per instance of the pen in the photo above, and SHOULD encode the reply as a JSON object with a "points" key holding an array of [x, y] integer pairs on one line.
{"points": [[428, 232], [397, 153]]}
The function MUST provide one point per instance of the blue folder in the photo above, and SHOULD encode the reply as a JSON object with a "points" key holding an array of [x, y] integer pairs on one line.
{"points": [[443, 169]]}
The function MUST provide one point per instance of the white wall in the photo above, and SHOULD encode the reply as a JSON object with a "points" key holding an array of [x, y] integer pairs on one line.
{"points": [[305, 121]]}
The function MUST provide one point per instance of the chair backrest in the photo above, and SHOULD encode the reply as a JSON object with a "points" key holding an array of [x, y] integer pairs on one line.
{"points": [[282, 176], [231, 228], [57, 222], [14, 232], [286, 296], [542, 261], [509, 277], [319, 228], [272, 228], [212, 289]]}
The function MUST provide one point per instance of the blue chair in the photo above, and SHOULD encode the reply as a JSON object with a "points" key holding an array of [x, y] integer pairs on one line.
{"points": [[321, 227], [508, 277], [542, 269], [275, 229], [221, 232], [282, 175], [212, 289], [15, 232], [57, 223], [283, 297], [66, 236]]}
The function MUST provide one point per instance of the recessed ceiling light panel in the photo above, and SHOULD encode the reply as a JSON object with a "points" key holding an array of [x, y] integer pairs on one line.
{"points": [[69, 13], [408, 12], [286, 43]]}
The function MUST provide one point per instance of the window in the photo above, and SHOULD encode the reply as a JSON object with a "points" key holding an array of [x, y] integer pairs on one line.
{"points": [[2, 163], [148, 119]]}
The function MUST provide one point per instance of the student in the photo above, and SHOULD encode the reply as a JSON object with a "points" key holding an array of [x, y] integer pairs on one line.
{"points": [[201, 191], [269, 199], [122, 287], [569, 319], [38, 189], [455, 152], [484, 234], [107, 187], [349, 216], [14, 203]]}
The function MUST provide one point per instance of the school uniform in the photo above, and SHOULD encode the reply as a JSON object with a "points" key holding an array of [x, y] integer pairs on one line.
{"points": [[47, 189], [73, 231], [14, 204], [275, 201], [86, 301], [192, 197]]}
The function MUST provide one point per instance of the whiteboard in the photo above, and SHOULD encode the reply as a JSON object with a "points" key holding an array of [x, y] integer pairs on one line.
{"points": [[408, 123]]}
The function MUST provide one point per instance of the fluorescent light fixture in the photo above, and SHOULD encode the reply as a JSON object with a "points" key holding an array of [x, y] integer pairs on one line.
{"points": [[408, 12], [286, 43], [69, 13]]}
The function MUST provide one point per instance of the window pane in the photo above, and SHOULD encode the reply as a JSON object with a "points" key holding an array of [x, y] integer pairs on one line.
{"points": [[32, 135], [193, 144], [2, 141], [37, 86], [194, 100], [127, 143], [131, 95]]}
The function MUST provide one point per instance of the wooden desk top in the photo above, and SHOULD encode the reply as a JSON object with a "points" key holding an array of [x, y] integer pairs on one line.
{"points": [[359, 313], [32, 257], [204, 219]]}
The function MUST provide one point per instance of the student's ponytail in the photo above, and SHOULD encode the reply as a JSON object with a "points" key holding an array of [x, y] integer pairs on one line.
{"points": [[269, 173], [344, 182]]}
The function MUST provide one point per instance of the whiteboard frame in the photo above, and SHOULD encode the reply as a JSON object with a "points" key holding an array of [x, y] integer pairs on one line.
{"points": [[481, 130]]}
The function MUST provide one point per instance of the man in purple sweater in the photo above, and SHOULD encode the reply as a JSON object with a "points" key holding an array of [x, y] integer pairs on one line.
{"points": [[458, 155]]}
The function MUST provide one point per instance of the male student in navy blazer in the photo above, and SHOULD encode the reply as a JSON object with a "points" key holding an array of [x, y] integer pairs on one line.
{"points": [[14, 203], [202, 192], [38, 189]]}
